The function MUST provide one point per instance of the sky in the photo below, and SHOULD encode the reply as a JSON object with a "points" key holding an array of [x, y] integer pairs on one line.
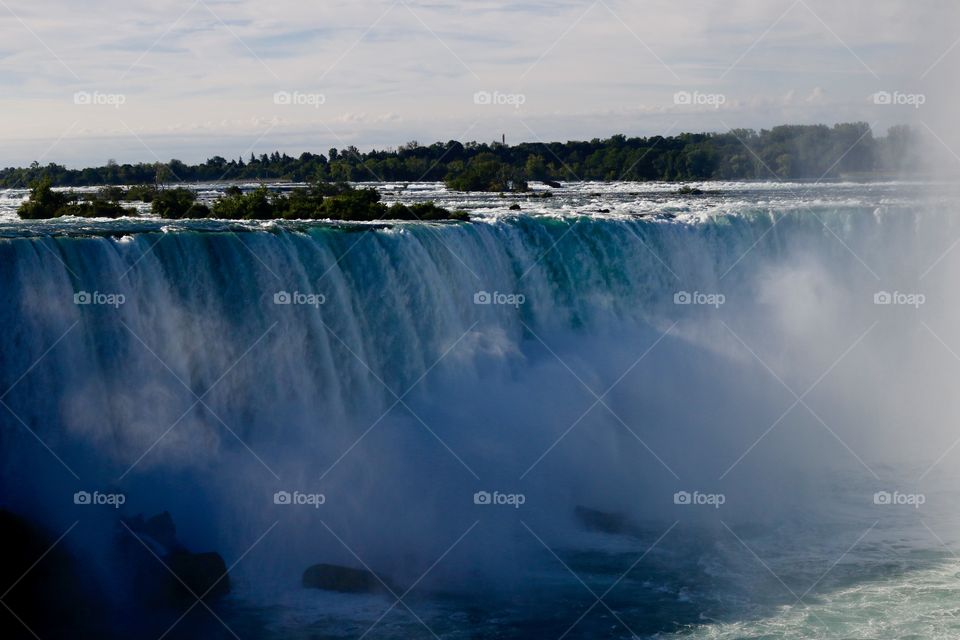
{"points": [[84, 82]]}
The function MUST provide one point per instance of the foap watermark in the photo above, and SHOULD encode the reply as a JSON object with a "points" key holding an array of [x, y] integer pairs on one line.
{"points": [[499, 99], [299, 498], [899, 99], [899, 298], [699, 99], [299, 298], [98, 98], [299, 99], [99, 298], [497, 297], [699, 298], [896, 498], [97, 498], [696, 498], [496, 498]]}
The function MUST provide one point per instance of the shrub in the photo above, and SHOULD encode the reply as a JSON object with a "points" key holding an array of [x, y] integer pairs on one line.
{"points": [[141, 193], [95, 209], [44, 202], [487, 173], [256, 205], [177, 204]]}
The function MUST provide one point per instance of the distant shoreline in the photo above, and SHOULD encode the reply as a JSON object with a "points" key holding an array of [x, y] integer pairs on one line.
{"points": [[786, 153], [878, 178]]}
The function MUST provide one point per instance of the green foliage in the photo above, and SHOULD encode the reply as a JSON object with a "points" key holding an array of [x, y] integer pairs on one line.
{"points": [[536, 168], [110, 194], [424, 211], [44, 203], [177, 204], [141, 193], [785, 152], [301, 204], [95, 209], [486, 172], [256, 205], [356, 204], [321, 201]]}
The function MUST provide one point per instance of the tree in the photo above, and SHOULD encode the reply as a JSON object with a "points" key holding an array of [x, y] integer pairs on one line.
{"points": [[789, 151], [43, 202], [178, 203], [536, 168]]}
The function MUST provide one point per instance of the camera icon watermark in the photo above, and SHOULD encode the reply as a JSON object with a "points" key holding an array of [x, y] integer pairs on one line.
{"points": [[497, 98], [915, 300], [299, 99], [895, 498], [115, 500], [298, 498], [714, 300], [696, 498], [97, 98], [299, 298], [699, 99], [899, 99], [497, 298], [495, 498], [98, 298]]}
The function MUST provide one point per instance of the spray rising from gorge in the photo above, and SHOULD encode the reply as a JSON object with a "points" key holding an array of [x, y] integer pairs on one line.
{"points": [[592, 364]]}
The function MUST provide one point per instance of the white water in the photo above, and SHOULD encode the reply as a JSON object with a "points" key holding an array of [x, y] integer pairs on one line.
{"points": [[494, 388]]}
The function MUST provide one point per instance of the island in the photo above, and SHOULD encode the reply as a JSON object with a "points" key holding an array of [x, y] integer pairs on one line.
{"points": [[318, 201]]}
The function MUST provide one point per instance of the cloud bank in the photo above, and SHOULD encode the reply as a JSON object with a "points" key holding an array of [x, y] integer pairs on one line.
{"points": [[195, 78]]}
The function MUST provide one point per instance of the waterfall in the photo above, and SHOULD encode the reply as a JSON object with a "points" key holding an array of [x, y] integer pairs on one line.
{"points": [[399, 370]]}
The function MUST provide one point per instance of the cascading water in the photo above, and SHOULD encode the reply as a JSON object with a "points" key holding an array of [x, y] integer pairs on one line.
{"points": [[554, 361]]}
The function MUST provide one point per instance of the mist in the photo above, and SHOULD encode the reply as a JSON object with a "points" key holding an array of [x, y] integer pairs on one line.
{"points": [[694, 398]]}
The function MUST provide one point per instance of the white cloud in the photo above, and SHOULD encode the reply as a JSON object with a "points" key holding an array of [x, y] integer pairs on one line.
{"points": [[393, 71]]}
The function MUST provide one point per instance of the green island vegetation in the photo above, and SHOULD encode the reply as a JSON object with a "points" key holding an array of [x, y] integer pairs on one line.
{"points": [[319, 201], [323, 200], [788, 152], [45, 203]]}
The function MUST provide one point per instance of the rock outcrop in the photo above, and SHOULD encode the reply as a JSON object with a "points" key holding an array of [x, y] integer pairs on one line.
{"points": [[204, 574]]}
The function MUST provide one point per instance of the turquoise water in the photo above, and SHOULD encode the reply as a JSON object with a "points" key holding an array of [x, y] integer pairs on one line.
{"points": [[399, 370]]}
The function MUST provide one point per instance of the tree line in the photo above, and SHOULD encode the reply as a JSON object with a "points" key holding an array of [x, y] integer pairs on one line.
{"points": [[785, 152]]}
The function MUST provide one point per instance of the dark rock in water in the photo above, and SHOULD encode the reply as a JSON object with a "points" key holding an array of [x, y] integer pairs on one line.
{"points": [[203, 573], [606, 522], [156, 545], [552, 184], [161, 528], [332, 577], [662, 215], [46, 586], [603, 210], [514, 207], [158, 532]]}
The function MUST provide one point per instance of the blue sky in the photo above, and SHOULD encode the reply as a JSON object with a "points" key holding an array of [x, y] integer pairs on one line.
{"points": [[84, 82]]}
